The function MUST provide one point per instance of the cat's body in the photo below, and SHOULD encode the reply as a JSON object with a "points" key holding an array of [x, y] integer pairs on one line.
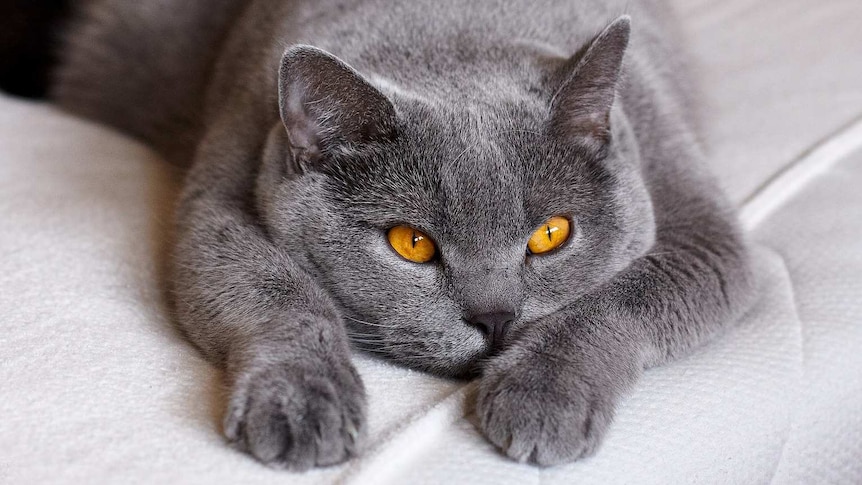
{"points": [[474, 121]]}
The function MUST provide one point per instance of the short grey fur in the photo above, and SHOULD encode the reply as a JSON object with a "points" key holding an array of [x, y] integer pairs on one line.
{"points": [[473, 121]]}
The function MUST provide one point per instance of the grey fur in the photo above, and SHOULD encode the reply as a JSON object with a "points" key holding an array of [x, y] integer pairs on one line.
{"points": [[472, 121]]}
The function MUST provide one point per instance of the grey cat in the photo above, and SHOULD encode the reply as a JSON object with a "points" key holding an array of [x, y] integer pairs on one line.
{"points": [[505, 188]]}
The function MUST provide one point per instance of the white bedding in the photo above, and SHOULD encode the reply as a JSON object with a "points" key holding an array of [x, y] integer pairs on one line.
{"points": [[97, 387]]}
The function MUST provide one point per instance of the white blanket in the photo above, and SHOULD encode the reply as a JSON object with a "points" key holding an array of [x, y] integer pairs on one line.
{"points": [[97, 387]]}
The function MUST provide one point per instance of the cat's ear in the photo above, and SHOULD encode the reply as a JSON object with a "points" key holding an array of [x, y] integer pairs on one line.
{"points": [[326, 105], [581, 108]]}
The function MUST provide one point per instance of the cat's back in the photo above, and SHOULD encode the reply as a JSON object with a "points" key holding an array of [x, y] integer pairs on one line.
{"points": [[142, 66]]}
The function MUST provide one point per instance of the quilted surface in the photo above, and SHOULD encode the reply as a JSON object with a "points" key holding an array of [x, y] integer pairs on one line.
{"points": [[97, 387]]}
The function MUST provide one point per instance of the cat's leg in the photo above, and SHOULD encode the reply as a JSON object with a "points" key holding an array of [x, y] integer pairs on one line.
{"points": [[296, 399], [550, 396]]}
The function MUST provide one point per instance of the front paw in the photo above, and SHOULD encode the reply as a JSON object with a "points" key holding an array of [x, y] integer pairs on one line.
{"points": [[297, 417], [548, 410]]}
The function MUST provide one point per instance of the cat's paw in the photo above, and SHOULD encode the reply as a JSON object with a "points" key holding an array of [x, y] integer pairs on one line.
{"points": [[545, 410], [297, 418]]}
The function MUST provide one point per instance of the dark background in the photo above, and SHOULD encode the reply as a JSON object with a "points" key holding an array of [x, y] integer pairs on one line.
{"points": [[30, 32]]}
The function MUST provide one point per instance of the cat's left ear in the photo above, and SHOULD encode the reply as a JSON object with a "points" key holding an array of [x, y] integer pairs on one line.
{"points": [[581, 108], [325, 105]]}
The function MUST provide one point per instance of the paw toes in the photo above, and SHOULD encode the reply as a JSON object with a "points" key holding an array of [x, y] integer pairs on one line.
{"points": [[283, 424], [538, 426], [329, 438]]}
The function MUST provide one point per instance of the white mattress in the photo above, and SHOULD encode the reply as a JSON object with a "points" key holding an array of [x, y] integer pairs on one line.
{"points": [[97, 387]]}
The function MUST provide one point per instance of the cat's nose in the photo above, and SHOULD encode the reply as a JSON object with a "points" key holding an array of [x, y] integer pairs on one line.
{"points": [[494, 325]]}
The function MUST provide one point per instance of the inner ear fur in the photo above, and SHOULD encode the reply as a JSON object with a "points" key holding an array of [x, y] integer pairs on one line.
{"points": [[581, 107], [326, 104]]}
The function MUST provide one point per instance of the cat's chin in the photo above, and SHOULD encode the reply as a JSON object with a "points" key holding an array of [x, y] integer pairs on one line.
{"points": [[465, 365], [442, 367]]}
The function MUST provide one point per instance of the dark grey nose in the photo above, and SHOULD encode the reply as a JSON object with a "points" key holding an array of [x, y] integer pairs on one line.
{"points": [[494, 325]]}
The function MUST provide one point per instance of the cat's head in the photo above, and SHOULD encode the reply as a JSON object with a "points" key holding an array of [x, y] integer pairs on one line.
{"points": [[442, 226]]}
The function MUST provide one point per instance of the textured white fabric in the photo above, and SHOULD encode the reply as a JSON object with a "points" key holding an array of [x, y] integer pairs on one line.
{"points": [[97, 387], [819, 235]]}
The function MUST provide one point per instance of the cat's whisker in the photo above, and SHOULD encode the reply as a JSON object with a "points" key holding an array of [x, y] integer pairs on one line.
{"points": [[664, 253], [369, 323], [351, 331], [364, 335], [374, 350], [392, 346], [366, 338], [393, 351], [464, 152]]}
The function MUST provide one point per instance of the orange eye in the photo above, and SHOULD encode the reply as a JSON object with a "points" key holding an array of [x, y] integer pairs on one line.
{"points": [[411, 244], [550, 236]]}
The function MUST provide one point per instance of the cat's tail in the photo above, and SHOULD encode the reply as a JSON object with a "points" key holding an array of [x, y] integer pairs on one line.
{"points": [[30, 35]]}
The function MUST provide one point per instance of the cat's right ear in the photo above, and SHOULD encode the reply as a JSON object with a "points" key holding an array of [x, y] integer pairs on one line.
{"points": [[326, 105], [581, 108]]}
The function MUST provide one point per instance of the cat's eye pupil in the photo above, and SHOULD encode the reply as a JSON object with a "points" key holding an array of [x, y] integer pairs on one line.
{"points": [[415, 238], [550, 236]]}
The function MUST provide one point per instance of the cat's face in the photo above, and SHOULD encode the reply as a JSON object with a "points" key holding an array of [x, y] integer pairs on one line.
{"points": [[478, 189], [478, 179]]}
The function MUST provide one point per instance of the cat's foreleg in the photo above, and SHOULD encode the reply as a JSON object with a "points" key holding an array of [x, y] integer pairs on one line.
{"points": [[296, 399], [550, 396]]}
